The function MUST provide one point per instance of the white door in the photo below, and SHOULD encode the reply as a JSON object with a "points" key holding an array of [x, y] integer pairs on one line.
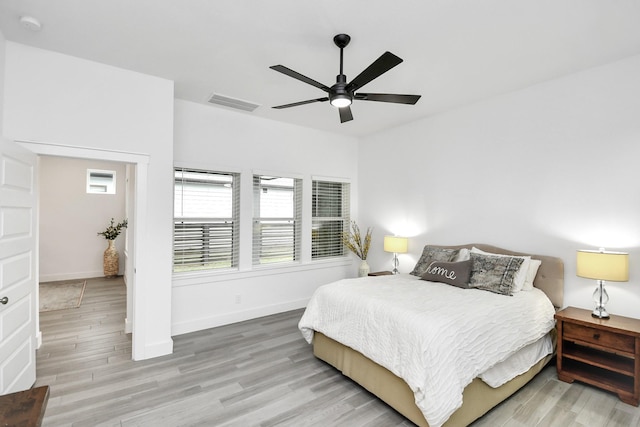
{"points": [[18, 261]]}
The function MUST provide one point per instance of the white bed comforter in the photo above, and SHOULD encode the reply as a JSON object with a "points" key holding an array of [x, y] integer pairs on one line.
{"points": [[436, 337]]}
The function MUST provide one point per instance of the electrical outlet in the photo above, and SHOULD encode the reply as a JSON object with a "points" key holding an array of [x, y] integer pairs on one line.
{"points": [[238, 299]]}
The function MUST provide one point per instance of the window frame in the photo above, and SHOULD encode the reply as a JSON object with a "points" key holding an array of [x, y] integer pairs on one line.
{"points": [[336, 248], [229, 257], [109, 176], [258, 252]]}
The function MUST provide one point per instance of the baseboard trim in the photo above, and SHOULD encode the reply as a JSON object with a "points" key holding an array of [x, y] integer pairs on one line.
{"points": [[194, 325], [70, 276], [155, 350]]}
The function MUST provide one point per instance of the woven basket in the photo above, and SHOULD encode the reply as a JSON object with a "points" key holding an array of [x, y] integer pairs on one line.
{"points": [[110, 262]]}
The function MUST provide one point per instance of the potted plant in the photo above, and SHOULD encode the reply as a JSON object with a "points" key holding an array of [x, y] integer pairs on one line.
{"points": [[110, 262], [353, 241]]}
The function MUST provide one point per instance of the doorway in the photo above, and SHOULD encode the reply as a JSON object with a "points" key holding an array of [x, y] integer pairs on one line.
{"points": [[73, 207], [136, 210]]}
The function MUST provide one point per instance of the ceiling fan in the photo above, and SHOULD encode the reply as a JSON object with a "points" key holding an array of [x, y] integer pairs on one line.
{"points": [[342, 94]]}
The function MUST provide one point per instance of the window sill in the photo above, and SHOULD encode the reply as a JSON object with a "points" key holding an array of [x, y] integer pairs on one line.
{"points": [[209, 276]]}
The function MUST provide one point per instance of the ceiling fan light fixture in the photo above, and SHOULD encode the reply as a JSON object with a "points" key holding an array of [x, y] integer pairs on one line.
{"points": [[339, 96], [341, 100]]}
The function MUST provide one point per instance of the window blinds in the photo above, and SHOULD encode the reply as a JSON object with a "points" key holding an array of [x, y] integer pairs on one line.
{"points": [[206, 213], [330, 218], [277, 214]]}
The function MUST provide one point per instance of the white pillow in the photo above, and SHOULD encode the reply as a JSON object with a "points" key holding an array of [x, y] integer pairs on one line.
{"points": [[531, 274], [521, 276], [463, 255]]}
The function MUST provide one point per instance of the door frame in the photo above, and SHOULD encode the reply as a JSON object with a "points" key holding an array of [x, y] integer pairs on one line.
{"points": [[137, 279]]}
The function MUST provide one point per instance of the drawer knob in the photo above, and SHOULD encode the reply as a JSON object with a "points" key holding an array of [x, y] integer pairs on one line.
{"points": [[596, 336]]}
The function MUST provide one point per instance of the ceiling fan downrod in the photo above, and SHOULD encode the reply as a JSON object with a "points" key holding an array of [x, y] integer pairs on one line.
{"points": [[339, 96]]}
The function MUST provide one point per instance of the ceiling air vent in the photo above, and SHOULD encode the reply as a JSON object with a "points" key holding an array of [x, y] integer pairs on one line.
{"points": [[232, 102]]}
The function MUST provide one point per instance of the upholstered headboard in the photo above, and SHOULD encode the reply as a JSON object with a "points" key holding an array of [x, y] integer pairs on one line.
{"points": [[550, 277]]}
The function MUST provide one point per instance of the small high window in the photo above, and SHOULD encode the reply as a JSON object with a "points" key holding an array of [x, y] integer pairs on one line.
{"points": [[101, 181]]}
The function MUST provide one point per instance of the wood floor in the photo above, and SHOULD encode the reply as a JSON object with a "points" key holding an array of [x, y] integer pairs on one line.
{"points": [[256, 373]]}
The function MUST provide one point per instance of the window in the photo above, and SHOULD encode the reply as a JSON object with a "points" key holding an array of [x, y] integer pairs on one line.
{"points": [[276, 219], [101, 181], [330, 217], [206, 210]]}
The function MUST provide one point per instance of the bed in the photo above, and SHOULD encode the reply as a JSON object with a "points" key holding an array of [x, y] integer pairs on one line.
{"points": [[377, 371]]}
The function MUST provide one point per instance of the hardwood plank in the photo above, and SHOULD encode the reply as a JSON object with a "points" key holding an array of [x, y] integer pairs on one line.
{"points": [[598, 409], [541, 403]]}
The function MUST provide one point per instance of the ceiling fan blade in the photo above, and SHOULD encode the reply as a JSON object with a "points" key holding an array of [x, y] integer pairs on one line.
{"points": [[345, 114], [387, 97], [380, 66], [289, 72], [295, 104]]}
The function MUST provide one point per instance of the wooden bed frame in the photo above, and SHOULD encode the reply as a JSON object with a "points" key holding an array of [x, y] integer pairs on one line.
{"points": [[478, 397]]}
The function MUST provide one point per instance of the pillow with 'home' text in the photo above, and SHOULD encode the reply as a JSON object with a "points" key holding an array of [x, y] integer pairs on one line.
{"points": [[430, 254], [451, 273]]}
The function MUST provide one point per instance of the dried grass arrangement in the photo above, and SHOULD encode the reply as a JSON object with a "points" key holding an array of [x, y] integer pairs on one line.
{"points": [[113, 231], [353, 241]]}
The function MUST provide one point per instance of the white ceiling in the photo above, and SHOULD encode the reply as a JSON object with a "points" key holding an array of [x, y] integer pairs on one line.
{"points": [[455, 51]]}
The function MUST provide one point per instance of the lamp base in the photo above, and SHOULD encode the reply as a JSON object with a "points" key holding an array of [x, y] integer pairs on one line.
{"points": [[600, 313], [395, 264], [600, 297]]}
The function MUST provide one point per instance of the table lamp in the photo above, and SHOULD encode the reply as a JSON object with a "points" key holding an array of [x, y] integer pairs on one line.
{"points": [[601, 265], [397, 245]]}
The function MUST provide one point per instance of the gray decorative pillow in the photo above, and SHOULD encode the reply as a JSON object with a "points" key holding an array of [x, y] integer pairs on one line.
{"points": [[430, 254], [452, 273], [493, 273]]}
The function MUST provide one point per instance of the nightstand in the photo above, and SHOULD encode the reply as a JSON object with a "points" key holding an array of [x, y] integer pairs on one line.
{"points": [[24, 408], [601, 352], [380, 273]]}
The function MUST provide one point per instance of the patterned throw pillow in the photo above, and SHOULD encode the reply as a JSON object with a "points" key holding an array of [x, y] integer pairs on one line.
{"points": [[430, 254], [493, 273], [521, 275], [452, 273]]}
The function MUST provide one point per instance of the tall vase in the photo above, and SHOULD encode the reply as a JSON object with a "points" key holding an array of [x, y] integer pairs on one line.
{"points": [[110, 262], [364, 269]]}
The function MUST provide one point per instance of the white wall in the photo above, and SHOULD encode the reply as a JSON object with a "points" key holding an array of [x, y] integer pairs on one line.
{"points": [[70, 218], [57, 99], [218, 139], [549, 170]]}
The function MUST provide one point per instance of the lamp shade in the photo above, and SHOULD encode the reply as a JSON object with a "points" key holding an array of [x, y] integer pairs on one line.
{"points": [[598, 265], [396, 244]]}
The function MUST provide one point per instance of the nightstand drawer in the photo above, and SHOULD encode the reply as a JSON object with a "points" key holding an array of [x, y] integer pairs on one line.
{"points": [[599, 337]]}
